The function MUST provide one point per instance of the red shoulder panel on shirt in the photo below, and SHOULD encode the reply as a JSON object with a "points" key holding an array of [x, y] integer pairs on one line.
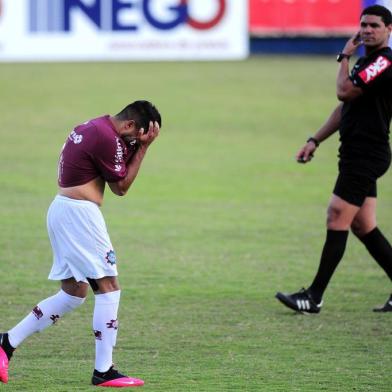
{"points": [[373, 70]]}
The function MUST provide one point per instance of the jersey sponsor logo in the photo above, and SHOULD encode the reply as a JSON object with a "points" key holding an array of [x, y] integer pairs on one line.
{"points": [[118, 157], [74, 137], [60, 167], [373, 70]]}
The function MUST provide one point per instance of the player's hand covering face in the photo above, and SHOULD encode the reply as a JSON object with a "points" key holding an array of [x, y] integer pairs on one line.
{"points": [[145, 139]]}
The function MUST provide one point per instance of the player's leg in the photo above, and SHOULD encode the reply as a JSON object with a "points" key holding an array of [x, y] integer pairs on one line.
{"points": [[71, 295], [105, 324], [105, 320], [364, 226]]}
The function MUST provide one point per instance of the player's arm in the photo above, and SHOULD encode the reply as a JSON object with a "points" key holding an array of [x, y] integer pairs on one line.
{"points": [[345, 88], [121, 187], [305, 154]]}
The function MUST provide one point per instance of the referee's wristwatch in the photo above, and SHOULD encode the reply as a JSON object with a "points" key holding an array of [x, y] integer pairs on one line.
{"points": [[342, 56]]}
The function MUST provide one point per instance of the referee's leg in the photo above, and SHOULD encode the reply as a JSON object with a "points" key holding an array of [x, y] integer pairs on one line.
{"points": [[339, 218], [365, 228]]}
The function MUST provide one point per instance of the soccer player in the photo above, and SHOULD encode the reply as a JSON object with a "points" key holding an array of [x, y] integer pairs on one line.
{"points": [[107, 149], [363, 119]]}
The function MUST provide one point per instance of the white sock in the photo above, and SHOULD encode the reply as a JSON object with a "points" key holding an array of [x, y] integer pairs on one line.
{"points": [[46, 313], [105, 326]]}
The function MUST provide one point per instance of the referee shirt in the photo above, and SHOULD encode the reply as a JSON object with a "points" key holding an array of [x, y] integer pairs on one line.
{"points": [[365, 122]]}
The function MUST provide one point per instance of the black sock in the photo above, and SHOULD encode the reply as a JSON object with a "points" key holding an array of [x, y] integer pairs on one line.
{"points": [[334, 247], [6, 346], [380, 249]]}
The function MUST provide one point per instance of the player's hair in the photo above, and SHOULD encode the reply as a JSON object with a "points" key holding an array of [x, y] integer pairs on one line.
{"points": [[380, 11], [142, 112]]}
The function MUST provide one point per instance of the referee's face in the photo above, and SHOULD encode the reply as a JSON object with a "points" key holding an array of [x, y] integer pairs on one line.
{"points": [[374, 33]]}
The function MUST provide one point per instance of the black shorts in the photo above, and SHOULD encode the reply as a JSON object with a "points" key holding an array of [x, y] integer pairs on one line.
{"points": [[355, 188], [357, 179]]}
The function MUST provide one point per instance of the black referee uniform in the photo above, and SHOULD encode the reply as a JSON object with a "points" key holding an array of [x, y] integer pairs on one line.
{"points": [[365, 153]]}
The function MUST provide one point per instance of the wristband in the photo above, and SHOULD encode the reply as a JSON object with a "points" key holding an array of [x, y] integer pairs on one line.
{"points": [[314, 140]]}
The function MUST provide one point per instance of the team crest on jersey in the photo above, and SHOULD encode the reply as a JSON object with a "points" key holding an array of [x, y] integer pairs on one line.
{"points": [[373, 70], [111, 257]]}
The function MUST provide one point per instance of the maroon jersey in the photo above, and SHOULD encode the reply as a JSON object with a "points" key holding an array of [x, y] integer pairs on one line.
{"points": [[93, 149]]}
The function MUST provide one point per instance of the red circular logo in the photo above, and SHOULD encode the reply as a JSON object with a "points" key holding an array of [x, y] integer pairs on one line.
{"points": [[198, 25]]}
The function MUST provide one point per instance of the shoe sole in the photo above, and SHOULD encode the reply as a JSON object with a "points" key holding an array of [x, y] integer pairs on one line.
{"points": [[382, 310], [123, 382]]}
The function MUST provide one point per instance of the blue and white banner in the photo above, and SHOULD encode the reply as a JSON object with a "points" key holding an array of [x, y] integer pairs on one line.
{"points": [[93, 30]]}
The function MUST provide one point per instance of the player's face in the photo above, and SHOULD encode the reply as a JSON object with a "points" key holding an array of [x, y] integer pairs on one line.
{"points": [[130, 132], [373, 31]]}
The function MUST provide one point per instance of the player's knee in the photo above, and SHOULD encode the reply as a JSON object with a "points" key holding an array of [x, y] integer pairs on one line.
{"points": [[106, 285], [333, 215], [74, 288], [360, 228], [357, 228]]}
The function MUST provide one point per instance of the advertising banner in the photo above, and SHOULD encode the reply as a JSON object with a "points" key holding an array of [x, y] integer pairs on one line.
{"points": [[304, 17], [94, 30]]}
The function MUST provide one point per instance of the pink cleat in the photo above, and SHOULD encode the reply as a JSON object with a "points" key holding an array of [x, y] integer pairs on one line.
{"points": [[112, 378], [3, 366]]}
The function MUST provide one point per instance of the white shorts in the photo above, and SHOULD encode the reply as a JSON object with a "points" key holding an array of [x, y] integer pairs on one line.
{"points": [[80, 241]]}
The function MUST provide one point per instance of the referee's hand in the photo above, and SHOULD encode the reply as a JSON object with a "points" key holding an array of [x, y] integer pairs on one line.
{"points": [[305, 154]]}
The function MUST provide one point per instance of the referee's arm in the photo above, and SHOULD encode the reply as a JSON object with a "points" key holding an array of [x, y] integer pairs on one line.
{"points": [[305, 154], [345, 88], [331, 125]]}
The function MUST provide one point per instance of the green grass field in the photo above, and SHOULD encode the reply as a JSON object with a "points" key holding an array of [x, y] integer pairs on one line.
{"points": [[220, 219]]}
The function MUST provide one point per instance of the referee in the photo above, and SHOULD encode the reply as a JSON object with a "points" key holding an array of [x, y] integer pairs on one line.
{"points": [[363, 119]]}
